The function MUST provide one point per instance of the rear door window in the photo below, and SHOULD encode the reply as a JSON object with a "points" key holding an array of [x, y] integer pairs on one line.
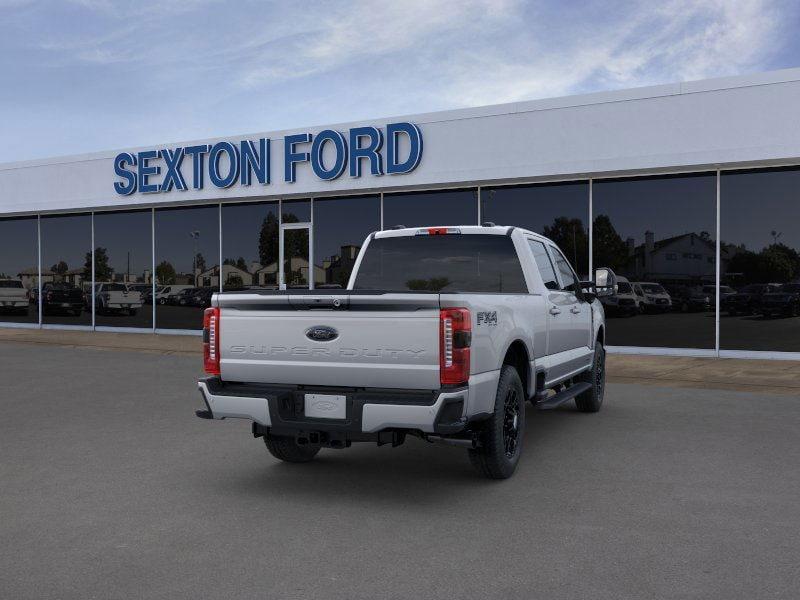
{"points": [[544, 264]]}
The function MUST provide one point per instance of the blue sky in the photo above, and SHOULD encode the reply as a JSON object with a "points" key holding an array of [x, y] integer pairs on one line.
{"points": [[86, 75]]}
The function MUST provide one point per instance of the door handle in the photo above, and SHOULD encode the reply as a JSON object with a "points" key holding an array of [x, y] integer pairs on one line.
{"points": [[575, 310], [554, 311]]}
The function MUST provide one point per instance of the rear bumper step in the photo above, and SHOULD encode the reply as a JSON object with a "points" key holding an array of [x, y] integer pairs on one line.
{"points": [[282, 408]]}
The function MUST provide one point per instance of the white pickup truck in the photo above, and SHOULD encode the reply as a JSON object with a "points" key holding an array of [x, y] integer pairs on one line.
{"points": [[116, 298], [442, 333], [13, 296]]}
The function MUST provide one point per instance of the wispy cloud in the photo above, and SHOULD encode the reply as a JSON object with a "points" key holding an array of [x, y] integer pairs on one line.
{"points": [[147, 71]]}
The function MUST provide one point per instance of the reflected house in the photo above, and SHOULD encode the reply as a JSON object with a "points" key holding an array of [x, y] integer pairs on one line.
{"points": [[689, 258], [73, 277], [30, 277], [296, 271], [339, 266], [231, 276]]}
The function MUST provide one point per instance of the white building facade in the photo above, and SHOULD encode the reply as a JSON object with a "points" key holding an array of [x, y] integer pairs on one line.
{"points": [[683, 185]]}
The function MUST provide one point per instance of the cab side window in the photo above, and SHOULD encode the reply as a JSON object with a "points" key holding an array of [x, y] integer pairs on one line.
{"points": [[568, 276], [544, 264]]}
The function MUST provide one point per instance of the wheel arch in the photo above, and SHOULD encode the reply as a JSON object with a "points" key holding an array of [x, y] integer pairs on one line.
{"points": [[517, 356]]}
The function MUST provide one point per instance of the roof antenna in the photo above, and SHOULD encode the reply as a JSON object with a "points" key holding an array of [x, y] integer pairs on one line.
{"points": [[488, 224]]}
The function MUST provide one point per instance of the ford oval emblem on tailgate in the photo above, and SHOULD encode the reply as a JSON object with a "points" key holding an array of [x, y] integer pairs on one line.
{"points": [[321, 333]]}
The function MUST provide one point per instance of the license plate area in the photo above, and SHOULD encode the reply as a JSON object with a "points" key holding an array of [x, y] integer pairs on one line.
{"points": [[325, 406]]}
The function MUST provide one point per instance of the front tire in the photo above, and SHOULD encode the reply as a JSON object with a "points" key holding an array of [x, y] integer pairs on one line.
{"points": [[288, 450], [503, 432], [592, 399]]}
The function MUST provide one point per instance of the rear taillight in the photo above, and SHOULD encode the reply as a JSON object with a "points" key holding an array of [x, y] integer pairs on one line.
{"points": [[211, 341], [455, 337]]}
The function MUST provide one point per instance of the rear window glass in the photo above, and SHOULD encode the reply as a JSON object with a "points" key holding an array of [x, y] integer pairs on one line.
{"points": [[10, 284], [441, 263]]}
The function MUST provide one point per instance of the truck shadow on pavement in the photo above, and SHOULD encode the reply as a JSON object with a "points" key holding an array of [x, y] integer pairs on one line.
{"points": [[417, 471]]}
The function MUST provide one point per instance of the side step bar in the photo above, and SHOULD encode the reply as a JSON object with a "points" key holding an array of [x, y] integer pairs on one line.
{"points": [[564, 395]]}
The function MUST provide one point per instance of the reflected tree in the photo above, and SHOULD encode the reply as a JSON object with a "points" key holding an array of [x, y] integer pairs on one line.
{"points": [[610, 249], [571, 236], [165, 273], [777, 263], [60, 268], [102, 270]]}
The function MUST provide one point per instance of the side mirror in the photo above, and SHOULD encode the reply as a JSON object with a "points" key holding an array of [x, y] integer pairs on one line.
{"points": [[605, 282]]}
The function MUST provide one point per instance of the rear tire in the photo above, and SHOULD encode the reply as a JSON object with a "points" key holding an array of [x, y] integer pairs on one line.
{"points": [[288, 450], [503, 432], [592, 399]]}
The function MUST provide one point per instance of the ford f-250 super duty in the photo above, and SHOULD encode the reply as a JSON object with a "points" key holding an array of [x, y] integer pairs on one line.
{"points": [[442, 333]]}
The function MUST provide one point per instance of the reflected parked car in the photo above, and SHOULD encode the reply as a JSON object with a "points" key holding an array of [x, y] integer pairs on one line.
{"points": [[116, 298], [201, 297], [13, 296], [163, 295], [654, 297], [747, 301], [690, 299], [785, 302], [62, 297], [624, 302], [183, 297], [724, 292]]}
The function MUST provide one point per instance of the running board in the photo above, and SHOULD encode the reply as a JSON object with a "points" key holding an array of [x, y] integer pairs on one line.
{"points": [[564, 395]]}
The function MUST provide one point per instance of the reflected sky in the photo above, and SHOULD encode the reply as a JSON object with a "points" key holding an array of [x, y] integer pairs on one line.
{"points": [[174, 242]]}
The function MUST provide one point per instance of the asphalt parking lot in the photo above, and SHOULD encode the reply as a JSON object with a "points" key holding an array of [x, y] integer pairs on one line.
{"points": [[111, 488]]}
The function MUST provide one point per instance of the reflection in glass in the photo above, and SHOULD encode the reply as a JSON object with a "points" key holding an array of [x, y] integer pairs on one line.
{"points": [[657, 234], [295, 258], [187, 269], [19, 270], [296, 211], [123, 266], [250, 246], [422, 209], [442, 263], [559, 211], [760, 260], [340, 227], [67, 270]]}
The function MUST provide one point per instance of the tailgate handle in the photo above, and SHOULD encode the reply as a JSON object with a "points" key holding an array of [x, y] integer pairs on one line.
{"points": [[319, 302]]}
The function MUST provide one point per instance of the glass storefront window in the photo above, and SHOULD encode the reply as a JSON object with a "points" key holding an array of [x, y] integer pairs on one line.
{"points": [[250, 246], [422, 209], [760, 260], [187, 269], [67, 269], [340, 227], [296, 211], [19, 270], [559, 211], [123, 266], [658, 235]]}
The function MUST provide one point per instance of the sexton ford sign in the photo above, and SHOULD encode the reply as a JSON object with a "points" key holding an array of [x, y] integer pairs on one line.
{"points": [[225, 164]]}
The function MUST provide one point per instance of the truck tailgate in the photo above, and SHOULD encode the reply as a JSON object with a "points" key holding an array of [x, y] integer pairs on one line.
{"points": [[378, 341]]}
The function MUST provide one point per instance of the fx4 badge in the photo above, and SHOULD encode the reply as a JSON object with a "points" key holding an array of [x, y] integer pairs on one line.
{"points": [[487, 318]]}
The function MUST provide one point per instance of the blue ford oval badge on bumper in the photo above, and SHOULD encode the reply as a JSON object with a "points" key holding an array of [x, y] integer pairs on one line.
{"points": [[321, 333]]}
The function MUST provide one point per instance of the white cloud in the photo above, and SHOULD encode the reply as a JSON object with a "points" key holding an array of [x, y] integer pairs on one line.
{"points": [[681, 40]]}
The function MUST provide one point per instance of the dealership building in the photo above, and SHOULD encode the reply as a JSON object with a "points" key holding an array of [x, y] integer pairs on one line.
{"points": [[690, 192]]}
